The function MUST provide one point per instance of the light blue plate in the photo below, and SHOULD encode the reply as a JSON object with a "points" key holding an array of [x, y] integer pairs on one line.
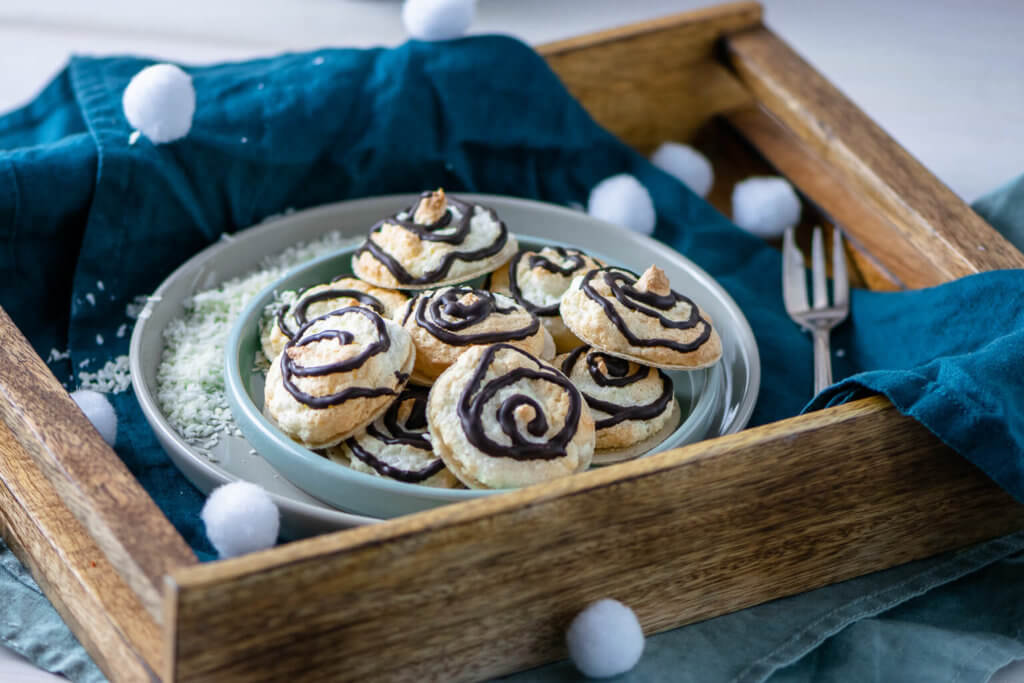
{"points": [[714, 401]]}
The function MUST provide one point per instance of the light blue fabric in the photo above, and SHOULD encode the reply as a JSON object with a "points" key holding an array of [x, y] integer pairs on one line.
{"points": [[79, 204], [31, 626]]}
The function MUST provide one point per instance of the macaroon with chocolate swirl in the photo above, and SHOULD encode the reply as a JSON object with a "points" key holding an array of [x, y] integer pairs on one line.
{"points": [[336, 375], [502, 418], [437, 241], [397, 445], [640, 319], [634, 405], [538, 279], [445, 322], [292, 309]]}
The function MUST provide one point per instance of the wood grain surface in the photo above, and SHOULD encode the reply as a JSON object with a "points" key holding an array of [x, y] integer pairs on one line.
{"points": [[734, 159], [920, 211], [87, 475], [487, 587], [73, 571], [879, 251], [658, 80]]}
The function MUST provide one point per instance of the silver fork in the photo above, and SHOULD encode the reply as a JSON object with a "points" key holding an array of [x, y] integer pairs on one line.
{"points": [[821, 317]]}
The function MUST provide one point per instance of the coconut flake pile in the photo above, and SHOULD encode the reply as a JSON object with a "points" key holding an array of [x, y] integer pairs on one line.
{"points": [[113, 378], [190, 377]]}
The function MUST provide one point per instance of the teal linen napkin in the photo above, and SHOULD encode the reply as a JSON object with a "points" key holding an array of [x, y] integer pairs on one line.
{"points": [[80, 205]]}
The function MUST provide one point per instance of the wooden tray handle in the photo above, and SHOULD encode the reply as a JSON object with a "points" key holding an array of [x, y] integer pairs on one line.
{"points": [[89, 477], [930, 223]]}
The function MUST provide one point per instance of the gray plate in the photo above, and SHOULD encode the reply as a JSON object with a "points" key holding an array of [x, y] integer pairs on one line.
{"points": [[303, 515]]}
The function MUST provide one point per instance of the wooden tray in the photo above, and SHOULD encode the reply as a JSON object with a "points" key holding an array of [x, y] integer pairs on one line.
{"points": [[487, 587]]}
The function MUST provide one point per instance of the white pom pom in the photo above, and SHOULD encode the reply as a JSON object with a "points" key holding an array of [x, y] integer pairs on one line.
{"points": [[240, 518], [97, 408], [160, 101], [605, 639], [765, 206], [622, 200], [438, 19], [687, 164]]}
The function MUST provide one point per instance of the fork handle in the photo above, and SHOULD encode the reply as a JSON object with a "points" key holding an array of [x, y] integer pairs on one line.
{"points": [[822, 359]]}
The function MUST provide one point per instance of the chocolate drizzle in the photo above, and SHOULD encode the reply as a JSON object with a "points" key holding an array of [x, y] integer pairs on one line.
{"points": [[443, 314], [289, 368], [621, 283], [477, 396], [618, 375], [432, 233], [576, 258], [390, 430], [301, 305]]}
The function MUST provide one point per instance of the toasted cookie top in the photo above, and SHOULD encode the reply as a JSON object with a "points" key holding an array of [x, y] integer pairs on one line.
{"points": [[397, 445], [630, 402], [338, 373], [503, 418], [538, 279], [640, 319], [439, 240], [293, 309], [444, 321]]}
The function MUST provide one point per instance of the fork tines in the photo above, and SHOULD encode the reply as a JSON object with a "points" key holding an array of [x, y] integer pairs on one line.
{"points": [[794, 283]]}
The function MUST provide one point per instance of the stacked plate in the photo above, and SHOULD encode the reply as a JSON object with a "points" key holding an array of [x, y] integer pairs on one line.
{"points": [[316, 494]]}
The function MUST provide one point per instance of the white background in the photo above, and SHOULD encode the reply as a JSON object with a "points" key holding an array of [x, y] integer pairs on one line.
{"points": [[944, 77]]}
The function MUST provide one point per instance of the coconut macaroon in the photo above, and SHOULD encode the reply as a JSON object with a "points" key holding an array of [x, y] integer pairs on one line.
{"points": [[538, 279], [444, 322], [292, 309], [439, 240], [339, 372], [397, 445], [640, 319], [502, 418], [634, 406]]}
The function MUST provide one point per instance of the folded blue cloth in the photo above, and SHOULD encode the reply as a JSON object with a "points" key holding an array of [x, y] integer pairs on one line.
{"points": [[80, 205]]}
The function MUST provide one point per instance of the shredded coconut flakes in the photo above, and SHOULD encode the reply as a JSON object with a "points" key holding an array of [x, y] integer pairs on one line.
{"points": [[190, 377], [113, 378]]}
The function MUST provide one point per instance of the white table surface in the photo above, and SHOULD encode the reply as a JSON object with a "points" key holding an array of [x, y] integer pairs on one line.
{"points": [[945, 77]]}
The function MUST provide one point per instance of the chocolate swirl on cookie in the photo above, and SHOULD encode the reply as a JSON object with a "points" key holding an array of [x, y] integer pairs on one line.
{"points": [[290, 368], [446, 229], [391, 429], [609, 371], [577, 261], [446, 312], [302, 303], [622, 285], [477, 399]]}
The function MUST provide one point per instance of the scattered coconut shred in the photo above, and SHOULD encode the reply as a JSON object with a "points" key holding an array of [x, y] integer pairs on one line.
{"points": [[113, 378], [190, 378]]}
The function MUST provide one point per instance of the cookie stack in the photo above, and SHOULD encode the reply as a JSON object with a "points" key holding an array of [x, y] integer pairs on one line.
{"points": [[634, 329], [555, 362]]}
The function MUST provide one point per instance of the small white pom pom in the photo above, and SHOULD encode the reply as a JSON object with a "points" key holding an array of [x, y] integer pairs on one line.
{"points": [[240, 518], [687, 164], [97, 408], [622, 200], [605, 639], [160, 101], [765, 206], [438, 19]]}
